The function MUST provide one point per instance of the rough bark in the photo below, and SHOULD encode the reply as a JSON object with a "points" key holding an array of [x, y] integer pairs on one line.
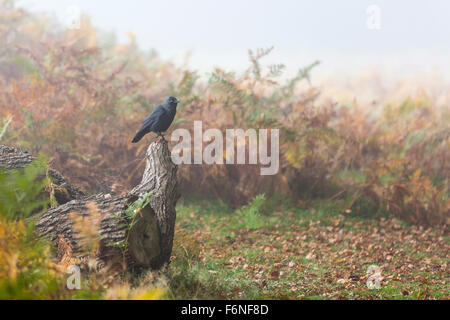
{"points": [[148, 243], [160, 178], [12, 158]]}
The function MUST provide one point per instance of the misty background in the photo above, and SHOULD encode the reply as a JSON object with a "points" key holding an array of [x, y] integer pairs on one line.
{"points": [[412, 40]]}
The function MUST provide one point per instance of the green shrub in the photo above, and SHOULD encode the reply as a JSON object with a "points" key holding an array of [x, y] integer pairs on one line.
{"points": [[250, 215], [22, 191]]}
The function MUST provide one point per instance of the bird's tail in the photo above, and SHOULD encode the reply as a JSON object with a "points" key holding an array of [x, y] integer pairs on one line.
{"points": [[138, 136]]}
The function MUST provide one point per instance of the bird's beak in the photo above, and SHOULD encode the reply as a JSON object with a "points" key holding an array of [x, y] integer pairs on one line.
{"points": [[178, 101]]}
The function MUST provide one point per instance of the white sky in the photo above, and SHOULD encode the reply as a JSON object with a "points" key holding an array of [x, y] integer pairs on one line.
{"points": [[414, 34]]}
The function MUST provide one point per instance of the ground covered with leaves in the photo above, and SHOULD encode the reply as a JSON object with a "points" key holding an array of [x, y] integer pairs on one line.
{"points": [[315, 253]]}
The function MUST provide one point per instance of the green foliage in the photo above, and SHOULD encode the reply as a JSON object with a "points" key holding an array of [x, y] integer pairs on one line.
{"points": [[135, 208], [253, 106], [250, 216], [26, 271], [21, 191], [26, 64], [129, 218]]}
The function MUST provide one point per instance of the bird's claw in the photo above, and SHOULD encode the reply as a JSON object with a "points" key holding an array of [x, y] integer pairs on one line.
{"points": [[161, 136]]}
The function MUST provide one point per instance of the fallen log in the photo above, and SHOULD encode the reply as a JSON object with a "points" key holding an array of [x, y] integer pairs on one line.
{"points": [[136, 228], [12, 158]]}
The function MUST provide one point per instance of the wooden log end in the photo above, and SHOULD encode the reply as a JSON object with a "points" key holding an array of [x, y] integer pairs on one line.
{"points": [[144, 239]]}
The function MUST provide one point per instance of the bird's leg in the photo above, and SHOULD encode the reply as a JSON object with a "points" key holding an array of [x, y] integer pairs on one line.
{"points": [[160, 134]]}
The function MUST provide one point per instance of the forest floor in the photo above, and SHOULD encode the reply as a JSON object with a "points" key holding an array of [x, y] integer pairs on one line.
{"points": [[315, 253]]}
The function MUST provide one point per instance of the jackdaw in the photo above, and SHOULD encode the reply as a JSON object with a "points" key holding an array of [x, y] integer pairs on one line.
{"points": [[159, 120]]}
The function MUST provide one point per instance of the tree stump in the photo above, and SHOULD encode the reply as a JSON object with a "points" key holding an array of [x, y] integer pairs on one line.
{"points": [[140, 237]]}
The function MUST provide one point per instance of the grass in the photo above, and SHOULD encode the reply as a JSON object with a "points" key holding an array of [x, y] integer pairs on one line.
{"points": [[291, 253]]}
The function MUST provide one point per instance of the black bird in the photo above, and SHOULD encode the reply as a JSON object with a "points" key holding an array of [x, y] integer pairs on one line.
{"points": [[159, 120]]}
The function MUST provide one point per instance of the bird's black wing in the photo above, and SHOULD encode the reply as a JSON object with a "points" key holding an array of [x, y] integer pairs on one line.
{"points": [[149, 123], [153, 118]]}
